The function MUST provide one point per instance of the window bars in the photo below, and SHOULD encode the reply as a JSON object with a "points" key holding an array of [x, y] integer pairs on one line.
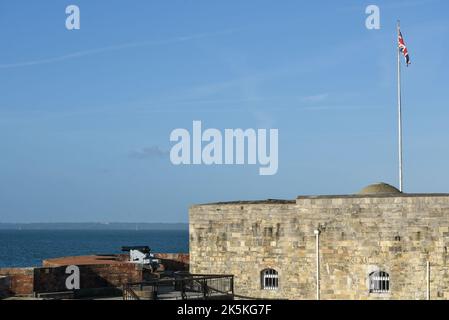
{"points": [[379, 282], [269, 279]]}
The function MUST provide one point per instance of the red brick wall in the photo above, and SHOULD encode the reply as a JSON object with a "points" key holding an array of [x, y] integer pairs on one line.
{"points": [[174, 261], [114, 274], [52, 279], [26, 281], [5, 283], [21, 280]]}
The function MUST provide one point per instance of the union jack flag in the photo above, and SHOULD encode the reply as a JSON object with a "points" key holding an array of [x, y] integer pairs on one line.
{"points": [[403, 48]]}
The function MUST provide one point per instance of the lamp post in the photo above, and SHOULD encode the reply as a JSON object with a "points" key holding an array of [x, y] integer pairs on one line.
{"points": [[428, 279], [317, 239]]}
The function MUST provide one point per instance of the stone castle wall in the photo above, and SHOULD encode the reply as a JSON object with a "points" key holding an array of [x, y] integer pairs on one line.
{"points": [[359, 235]]}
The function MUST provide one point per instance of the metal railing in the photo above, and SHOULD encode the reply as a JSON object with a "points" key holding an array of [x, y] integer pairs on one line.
{"points": [[129, 293], [185, 286]]}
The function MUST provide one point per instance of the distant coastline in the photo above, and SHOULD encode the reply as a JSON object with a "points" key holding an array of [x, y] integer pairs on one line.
{"points": [[94, 226]]}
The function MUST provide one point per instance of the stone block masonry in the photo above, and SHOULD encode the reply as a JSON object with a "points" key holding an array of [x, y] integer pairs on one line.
{"points": [[360, 234]]}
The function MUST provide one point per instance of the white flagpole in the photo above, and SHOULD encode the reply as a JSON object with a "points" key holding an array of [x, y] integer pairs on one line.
{"points": [[400, 115]]}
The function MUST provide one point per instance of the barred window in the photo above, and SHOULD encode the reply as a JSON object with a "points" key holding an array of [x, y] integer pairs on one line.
{"points": [[379, 282], [269, 279]]}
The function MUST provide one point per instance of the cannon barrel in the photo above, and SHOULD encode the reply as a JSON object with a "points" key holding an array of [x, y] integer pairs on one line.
{"points": [[143, 249]]}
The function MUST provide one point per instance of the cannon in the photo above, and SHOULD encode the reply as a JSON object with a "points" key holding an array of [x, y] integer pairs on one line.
{"points": [[141, 255]]}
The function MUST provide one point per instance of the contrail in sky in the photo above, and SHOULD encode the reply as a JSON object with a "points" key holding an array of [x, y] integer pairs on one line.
{"points": [[113, 48]]}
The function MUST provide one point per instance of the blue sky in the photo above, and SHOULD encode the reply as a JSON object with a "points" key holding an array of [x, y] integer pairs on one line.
{"points": [[85, 115]]}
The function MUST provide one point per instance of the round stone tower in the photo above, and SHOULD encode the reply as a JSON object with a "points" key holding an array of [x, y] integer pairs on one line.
{"points": [[379, 188]]}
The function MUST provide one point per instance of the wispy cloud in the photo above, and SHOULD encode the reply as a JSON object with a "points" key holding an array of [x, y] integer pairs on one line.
{"points": [[315, 98], [149, 153], [342, 108], [403, 4], [408, 3], [90, 52]]}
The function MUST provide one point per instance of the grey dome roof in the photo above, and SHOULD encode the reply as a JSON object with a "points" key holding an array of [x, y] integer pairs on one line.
{"points": [[379, 188]]}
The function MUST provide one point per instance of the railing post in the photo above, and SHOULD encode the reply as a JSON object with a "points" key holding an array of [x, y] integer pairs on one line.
{"points": [[183, 289], [204, 289]]}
